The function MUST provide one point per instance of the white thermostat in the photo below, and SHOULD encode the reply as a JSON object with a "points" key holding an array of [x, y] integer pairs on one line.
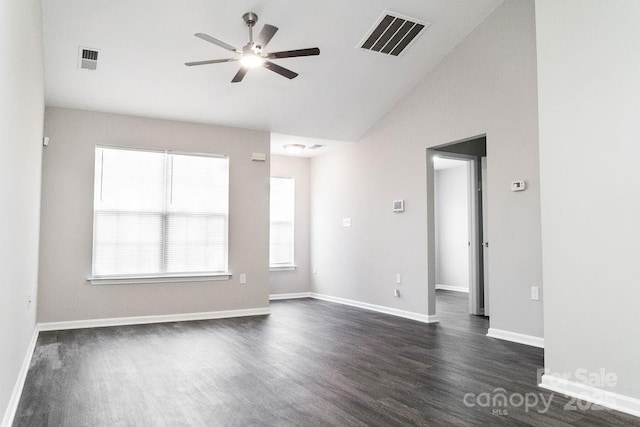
{"points": [[518, 186], [398, 206]]}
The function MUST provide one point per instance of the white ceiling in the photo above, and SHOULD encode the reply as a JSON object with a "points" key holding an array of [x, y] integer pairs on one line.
{"points": [[339, 95]]}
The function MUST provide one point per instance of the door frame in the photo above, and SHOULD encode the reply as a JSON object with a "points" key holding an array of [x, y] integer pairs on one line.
{"points": [[476, 273]]}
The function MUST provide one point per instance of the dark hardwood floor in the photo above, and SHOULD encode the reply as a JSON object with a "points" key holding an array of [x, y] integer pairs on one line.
{"points": [[309, 363]]}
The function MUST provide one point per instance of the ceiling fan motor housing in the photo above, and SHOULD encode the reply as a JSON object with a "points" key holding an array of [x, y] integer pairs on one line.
{"points": [[250, 19]]}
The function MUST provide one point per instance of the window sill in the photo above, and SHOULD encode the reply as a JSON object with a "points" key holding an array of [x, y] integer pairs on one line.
{"points": [[131, 280], [290, 267]]}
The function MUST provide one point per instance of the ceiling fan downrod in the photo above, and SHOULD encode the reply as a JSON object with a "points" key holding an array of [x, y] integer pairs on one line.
{"points": [[250, 20]]}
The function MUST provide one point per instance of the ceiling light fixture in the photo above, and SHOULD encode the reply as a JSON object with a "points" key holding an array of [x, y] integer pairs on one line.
{"points": [[251, 60], [294, 149]]}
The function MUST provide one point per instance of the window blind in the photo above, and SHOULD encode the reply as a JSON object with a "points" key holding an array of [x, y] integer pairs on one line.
{"points": [[159, 213], [282, 222]]}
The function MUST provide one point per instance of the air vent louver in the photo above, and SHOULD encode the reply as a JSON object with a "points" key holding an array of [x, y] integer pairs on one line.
{"points": [[392, 34], [88, 59]]}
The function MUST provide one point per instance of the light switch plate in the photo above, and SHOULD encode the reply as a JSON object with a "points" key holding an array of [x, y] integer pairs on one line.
{"points": [[535, 293]]}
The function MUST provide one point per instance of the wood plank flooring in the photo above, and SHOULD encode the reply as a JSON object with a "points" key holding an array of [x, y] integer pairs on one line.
{"points": [[309, 363]]}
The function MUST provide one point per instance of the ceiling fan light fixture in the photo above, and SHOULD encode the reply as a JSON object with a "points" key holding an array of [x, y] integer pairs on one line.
{"points": [[294, 149], [251, 60], [253, 54]]}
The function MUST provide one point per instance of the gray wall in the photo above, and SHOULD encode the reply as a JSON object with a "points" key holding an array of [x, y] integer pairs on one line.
{"points": [[452, 226], [298, 280], [21, 115], [67, 218], [486, 85], [589, 155]]}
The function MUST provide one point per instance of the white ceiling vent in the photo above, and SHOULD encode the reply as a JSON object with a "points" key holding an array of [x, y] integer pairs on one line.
{"points": [[316, 146], [87, 58], [392, 34]]}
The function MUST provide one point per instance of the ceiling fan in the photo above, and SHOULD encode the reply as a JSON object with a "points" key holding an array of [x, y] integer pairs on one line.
{"points": [[252, 54]]}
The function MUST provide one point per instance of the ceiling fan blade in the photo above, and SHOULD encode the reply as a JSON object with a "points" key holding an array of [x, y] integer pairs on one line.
{"points": [[265, 36], [280, 70], [215, 41], [240, 75], [210, 61], [294, 53]]}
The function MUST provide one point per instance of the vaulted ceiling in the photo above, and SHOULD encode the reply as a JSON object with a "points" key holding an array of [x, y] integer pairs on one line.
{"points": [[338, 95]]}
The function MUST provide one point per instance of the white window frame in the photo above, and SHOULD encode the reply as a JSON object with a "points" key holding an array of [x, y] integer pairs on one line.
{"points": [[289, 266], [164, 277]]}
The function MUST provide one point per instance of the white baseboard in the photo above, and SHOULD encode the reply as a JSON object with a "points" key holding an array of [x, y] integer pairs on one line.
{"points": [[587, 393], [12, 407], [142, 320], [379, 308], [453, 288], [516, 337], [297, 295]]}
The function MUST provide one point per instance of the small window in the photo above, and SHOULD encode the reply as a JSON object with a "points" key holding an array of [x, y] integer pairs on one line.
{"points": [[159, 213], [282, 223]]}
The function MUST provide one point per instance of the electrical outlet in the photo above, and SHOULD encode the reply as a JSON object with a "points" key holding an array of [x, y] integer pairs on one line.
{"points": [[535, 293], [396, 293], [398, 278], [243, 279]]}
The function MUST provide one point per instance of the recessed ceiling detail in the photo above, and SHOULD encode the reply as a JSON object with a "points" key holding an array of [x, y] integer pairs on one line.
{"points": [[392, 34]]}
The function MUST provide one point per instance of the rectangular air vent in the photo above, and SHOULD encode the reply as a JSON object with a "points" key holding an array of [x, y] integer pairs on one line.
{"points": [[392, 33], [88, 58], [316, 146]]}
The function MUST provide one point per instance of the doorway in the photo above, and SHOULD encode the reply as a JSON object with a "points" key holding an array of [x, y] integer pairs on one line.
{"points": [[457, 241]]}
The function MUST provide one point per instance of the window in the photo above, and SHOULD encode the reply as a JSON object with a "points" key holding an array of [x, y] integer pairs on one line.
{"points": [[159, 213], [281, 227]]}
